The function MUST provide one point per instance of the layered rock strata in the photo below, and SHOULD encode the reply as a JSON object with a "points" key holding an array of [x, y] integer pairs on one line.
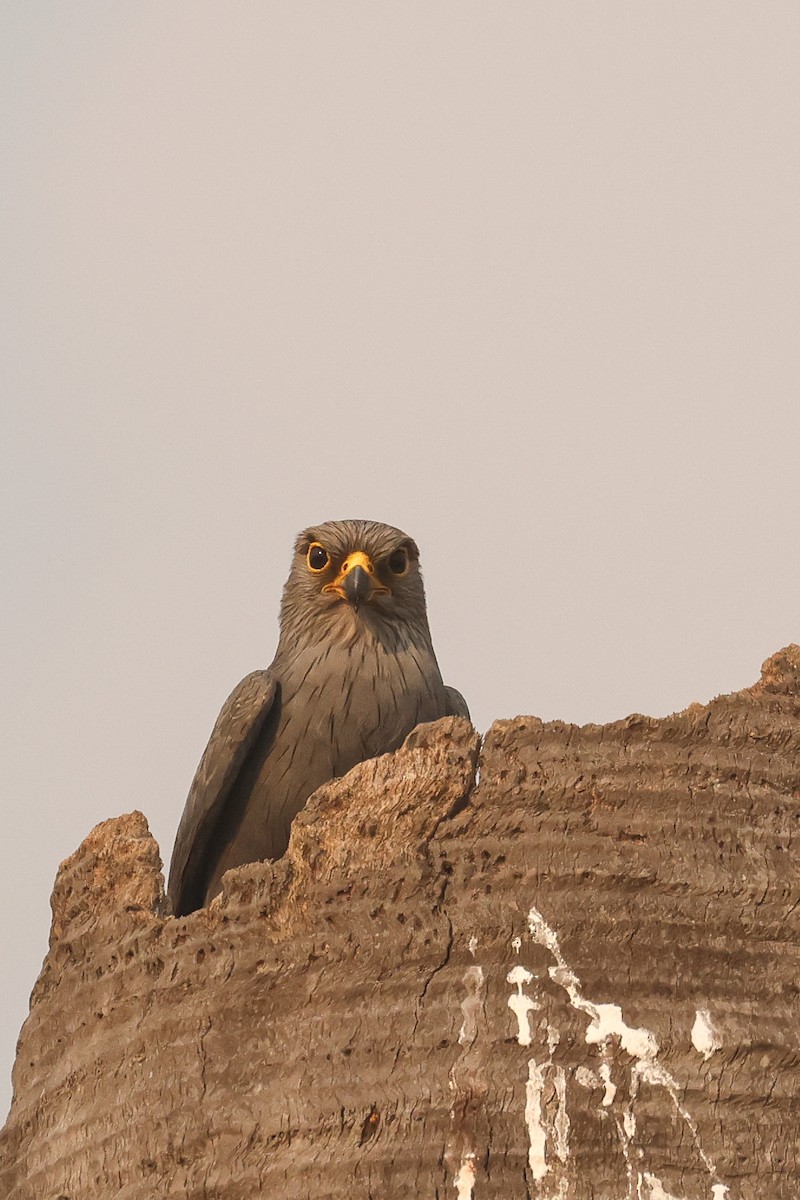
{"points": [[563, 964]]}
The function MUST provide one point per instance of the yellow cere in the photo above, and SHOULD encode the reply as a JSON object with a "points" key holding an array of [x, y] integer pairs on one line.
{"points": [[357, 559]]}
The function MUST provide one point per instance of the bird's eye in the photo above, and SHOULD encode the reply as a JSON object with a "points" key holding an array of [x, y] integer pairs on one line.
{"points": [[398, 561], [317, 557]]}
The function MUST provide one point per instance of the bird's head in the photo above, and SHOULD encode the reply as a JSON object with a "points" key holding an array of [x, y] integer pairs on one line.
{"points": [[348, 576]]}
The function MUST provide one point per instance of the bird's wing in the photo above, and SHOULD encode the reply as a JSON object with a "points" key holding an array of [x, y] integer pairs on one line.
{"points": [[456, 704], [237, 726]]}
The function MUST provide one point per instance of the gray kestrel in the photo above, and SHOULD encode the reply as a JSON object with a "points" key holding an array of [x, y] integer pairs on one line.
{"points": [[354, 673]]}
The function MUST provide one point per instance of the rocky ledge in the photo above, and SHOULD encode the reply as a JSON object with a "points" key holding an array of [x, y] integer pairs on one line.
{"points": [[565, 963]]}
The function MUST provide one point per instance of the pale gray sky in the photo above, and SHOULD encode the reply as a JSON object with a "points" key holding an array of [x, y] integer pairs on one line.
{"points": [[521, 278]]}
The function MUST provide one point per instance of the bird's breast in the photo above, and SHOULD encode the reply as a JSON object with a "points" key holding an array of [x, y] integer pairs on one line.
{"points": [[345, 704], [338, 706]]}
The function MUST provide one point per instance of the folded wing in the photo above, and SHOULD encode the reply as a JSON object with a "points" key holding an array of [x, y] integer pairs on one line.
{"points": [[456, 704], [238, 724]]}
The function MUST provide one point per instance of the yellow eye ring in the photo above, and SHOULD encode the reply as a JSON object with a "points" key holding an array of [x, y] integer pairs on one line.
{"points": [[317, 558]]}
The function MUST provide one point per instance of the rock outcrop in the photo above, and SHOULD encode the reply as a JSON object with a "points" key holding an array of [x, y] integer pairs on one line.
{"points": [[563, 964]]}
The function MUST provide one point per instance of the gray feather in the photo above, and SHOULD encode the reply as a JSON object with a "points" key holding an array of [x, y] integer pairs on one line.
{"points": [[242, 717], [456, 704]]}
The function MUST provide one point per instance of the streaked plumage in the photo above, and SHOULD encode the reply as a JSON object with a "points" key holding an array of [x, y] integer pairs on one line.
{"points": [[353, 674]]}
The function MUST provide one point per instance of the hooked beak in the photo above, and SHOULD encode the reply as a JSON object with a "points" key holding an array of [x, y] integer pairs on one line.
{"points": [[358, 586], [356, 582]]}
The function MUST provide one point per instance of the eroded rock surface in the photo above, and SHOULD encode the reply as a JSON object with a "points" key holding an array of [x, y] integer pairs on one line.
{"points": [[576, 978]]}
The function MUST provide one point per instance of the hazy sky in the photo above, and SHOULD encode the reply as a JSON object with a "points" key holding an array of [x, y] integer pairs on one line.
{"points": [[521, 278]]}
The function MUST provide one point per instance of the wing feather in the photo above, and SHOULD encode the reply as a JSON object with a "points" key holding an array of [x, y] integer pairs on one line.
{"points": [[238, 724], [456, 704]]}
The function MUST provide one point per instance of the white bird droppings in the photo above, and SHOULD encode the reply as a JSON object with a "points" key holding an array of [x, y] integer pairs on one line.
{"points": [[705, 1038], [607, 1026], [533, 1119], [561, 1123], [656, 1189], [471, 1005], [607, 1022], [520, 1004], [473, 945], [519, 975], [464, 1181], [610, 1088]]}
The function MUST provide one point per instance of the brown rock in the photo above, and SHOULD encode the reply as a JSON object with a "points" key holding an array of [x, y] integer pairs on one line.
{"points": [[578, 978]]}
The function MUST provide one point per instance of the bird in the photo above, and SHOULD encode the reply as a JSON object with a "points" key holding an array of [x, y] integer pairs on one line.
{"points": [[353, 674]]}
